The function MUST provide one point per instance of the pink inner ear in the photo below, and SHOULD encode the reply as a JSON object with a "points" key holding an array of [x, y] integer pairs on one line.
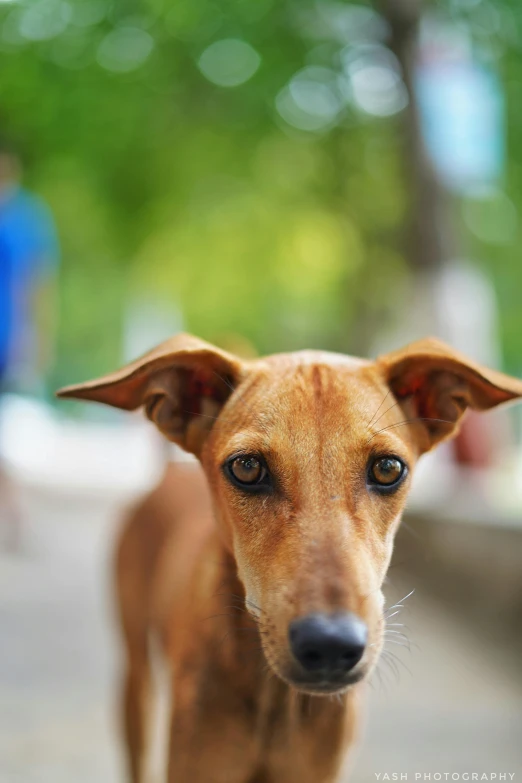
{"points": [[200, 384], [413, 386], [417, 386]]}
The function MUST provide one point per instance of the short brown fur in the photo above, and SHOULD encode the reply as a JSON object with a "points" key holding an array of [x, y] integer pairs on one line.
{"points": [[218, 574]]}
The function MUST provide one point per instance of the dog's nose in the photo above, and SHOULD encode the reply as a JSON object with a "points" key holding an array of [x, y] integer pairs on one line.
{"points": [[328, 643]]}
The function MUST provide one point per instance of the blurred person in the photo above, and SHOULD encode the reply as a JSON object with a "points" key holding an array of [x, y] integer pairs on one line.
{"points": [[28, 264]]}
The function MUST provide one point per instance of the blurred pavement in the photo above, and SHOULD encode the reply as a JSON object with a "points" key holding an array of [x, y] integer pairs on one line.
{"points": [[457, 710]]}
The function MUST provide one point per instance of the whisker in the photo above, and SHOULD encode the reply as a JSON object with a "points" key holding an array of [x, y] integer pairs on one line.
{"points": [[386, 411], [241, 600], [239, 400], [399, 644], [396, 658], [227, 383], [236, 606], [408, 421], [376, 672], [232, 595], [413, 645], [400, 604], [395, 633], [378, 409], [391, 664], [382, 683], [204, 415], [239, 604], [220, 614]]}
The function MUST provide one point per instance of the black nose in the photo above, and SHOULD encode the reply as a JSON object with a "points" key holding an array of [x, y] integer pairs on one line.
{"points": [[329, 643]]}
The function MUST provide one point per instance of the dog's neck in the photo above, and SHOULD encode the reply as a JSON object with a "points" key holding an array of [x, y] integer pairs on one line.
{"points": [[278, 710]]}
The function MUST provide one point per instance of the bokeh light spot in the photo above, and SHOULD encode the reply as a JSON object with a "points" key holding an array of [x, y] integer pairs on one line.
{"points": [[45, 19], [312, 100], [125, 49], [375, 83], [229, 63], [352, 23]]}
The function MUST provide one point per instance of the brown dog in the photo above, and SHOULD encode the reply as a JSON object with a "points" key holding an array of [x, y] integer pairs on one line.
{"points": [[271, 560]]}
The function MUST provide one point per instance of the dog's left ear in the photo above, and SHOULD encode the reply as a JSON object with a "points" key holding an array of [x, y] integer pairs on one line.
{"points": [[435, 385], [183, 384]]}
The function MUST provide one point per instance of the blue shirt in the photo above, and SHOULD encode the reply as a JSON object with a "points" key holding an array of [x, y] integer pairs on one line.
{"points": [[28, 253]]}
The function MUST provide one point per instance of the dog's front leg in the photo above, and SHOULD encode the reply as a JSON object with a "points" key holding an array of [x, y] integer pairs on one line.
{"points": [[212, 736], [311, 742]]}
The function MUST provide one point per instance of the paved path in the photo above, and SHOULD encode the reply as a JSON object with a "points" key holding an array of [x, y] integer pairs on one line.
{"points": [[458, 709]]}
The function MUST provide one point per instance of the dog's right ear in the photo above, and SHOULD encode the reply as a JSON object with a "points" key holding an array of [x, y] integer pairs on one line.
{"points": [[183, 384], [435, 384]]}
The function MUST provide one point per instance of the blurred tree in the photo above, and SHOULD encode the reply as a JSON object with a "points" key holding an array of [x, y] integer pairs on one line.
{"points": [[427, 245], [244, 182], [240, 159]]}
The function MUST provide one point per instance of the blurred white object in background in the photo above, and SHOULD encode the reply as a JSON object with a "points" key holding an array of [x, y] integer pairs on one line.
{"points": [[41, 449], [455, 303]]}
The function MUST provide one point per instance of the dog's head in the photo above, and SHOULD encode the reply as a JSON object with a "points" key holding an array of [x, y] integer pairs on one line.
{"points": [[309, 457]]}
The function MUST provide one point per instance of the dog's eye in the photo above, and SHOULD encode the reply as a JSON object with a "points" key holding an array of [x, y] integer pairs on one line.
{"points": [[247, 470], [386, 471]]}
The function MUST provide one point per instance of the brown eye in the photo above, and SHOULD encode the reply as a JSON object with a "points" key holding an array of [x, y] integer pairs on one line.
{"points": [[247, 470], [386, 471]]}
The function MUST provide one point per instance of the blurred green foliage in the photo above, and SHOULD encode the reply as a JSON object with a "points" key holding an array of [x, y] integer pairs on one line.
{"points": [[167, 185]]}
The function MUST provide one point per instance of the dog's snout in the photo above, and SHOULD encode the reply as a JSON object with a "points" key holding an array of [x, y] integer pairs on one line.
{"points": [[331, 644]]}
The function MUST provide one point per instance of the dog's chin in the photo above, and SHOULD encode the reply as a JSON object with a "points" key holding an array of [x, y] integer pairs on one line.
{"points": [[320, 685], [326, 687]]}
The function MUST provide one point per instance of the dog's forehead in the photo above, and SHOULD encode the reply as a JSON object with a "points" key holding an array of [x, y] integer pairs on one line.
{"points": [[308, 382], [310, 358], [317, 374], [305, 400]]}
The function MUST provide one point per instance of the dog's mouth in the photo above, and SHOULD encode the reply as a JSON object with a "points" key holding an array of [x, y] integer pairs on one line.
{"points": [[326, 685], [319, 683]]}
